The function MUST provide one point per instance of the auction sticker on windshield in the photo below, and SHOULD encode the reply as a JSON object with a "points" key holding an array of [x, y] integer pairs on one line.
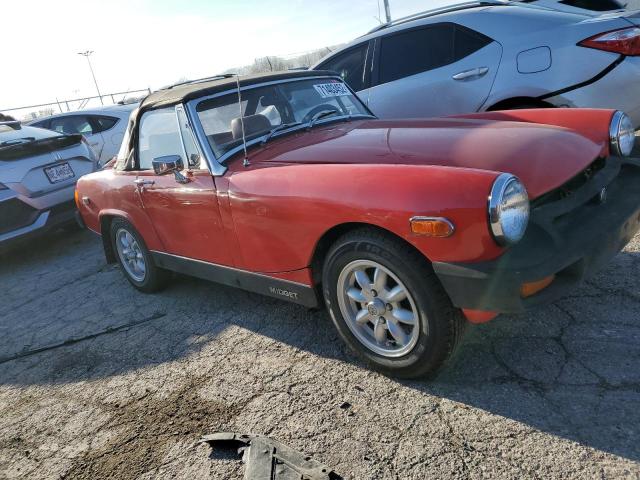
{"points": [[327, 90], [59, 173]]}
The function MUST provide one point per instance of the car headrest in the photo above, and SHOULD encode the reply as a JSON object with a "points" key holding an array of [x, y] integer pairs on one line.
{"points": [[252, 124]]}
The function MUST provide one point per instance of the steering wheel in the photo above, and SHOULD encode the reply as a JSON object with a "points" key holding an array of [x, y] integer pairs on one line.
{"points": [[319, 108]]}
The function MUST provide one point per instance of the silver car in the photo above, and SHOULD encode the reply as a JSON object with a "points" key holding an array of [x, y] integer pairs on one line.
{"points": [[38, 172], [481, 56], [102, 127]]}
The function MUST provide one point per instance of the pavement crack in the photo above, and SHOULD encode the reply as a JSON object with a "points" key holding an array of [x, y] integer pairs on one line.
{"points": [[73, 341]]}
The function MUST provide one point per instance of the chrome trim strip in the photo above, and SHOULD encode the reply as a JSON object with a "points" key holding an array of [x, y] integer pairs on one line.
{"points": [[434, 219], [614, 133]]}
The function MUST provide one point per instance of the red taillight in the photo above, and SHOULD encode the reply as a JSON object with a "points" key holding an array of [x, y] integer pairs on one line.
{"points": [[624, 42]]}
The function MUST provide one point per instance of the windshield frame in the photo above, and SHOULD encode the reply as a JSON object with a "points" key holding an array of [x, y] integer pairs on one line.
{"points": [[217, 164]]}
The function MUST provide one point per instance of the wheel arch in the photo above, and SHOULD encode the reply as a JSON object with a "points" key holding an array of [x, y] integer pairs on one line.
{"points": [[105, 227], [519, 102], [328, 239]]}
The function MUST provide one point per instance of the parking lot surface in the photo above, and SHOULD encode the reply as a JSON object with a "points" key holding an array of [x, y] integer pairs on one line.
{"points": [[100, 381]]}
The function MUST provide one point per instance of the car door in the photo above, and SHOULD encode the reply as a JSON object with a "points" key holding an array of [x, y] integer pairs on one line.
{"points": [[73, 124], [432, 70], [185, 216], [111, 135]]}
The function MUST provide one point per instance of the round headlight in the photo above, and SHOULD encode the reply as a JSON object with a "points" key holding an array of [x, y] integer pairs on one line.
{"points": [[508, 209], [622, 134]]}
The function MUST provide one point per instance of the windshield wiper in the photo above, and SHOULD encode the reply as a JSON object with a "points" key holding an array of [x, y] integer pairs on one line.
{"points": [[319, 115], [279, 128]]}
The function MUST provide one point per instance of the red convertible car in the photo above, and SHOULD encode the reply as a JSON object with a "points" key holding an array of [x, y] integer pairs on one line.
{"points": [[287, 185]]}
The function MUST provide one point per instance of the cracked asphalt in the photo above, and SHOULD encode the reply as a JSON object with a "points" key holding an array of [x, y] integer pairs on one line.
{"points": [[100, 381]]}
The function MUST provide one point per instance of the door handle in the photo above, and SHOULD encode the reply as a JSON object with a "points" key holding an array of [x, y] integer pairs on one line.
{"points": [[471, 74], [141, 182]]}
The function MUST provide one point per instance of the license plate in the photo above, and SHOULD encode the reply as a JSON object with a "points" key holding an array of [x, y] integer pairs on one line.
{"points": [[329, 90], [59, 173]]}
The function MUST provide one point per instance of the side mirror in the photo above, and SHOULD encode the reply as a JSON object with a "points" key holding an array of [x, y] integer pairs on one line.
{"points": [[167, 164]]}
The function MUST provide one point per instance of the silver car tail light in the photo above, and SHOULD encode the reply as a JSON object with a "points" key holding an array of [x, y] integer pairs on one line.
{"points": [[625, 41]]}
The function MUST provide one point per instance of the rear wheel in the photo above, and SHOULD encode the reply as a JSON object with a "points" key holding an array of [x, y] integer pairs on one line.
{"points": [[388, 305], [135, 259]]}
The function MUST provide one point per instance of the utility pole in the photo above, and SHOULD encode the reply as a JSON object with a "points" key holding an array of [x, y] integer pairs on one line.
{"points": [[387, 11], [86, 54]]}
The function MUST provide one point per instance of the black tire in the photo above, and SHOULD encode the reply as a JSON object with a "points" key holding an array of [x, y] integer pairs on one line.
{"points": [[155, 278], [437, 316], [526, 106]]}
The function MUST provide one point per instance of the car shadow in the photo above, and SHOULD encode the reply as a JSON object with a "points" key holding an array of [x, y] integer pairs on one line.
{"points": [[571, 370]]}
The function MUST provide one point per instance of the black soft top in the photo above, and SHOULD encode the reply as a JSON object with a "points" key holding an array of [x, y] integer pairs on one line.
{"points": [[184, 92]]}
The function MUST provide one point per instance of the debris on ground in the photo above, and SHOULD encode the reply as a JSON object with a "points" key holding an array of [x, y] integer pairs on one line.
{"points": [[266, 459]]}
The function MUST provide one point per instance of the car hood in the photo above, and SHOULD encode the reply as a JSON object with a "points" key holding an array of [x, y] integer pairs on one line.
{"points": [[544, 157]]}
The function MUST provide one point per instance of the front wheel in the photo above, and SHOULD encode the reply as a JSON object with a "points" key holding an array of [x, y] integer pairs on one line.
{"points": [[388, 305]]}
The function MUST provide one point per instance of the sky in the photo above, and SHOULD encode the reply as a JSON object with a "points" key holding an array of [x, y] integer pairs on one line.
{"points": [[151, 43]]}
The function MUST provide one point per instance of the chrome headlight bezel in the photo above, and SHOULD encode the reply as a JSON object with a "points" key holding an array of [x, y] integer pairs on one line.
{"points": [[502, 234], [622, 135]]}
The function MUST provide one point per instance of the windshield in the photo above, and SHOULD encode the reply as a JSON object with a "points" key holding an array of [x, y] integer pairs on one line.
{"points": [[266, 108]]}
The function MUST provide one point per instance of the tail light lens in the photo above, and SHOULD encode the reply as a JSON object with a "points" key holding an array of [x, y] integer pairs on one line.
{"points": [[625, 41]]}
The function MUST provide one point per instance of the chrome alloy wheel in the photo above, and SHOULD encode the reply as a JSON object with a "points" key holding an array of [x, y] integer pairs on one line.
{"points": [[378, 308], [131, 255]]}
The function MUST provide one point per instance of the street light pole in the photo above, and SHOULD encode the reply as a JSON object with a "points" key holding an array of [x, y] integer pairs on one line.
{"points": [[387, 11], [86, 55]]}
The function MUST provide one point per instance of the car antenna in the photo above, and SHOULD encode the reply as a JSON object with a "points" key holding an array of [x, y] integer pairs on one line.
{"points": [[244, 139]]}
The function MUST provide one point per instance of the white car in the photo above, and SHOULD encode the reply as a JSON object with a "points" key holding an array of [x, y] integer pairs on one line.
{"points": [[493, 55], [102, 127], [38, 172]]}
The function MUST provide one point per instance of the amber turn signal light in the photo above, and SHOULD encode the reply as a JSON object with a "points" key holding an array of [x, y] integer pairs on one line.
{"points": [[432, 227], [75, 197], [531, 288]]}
